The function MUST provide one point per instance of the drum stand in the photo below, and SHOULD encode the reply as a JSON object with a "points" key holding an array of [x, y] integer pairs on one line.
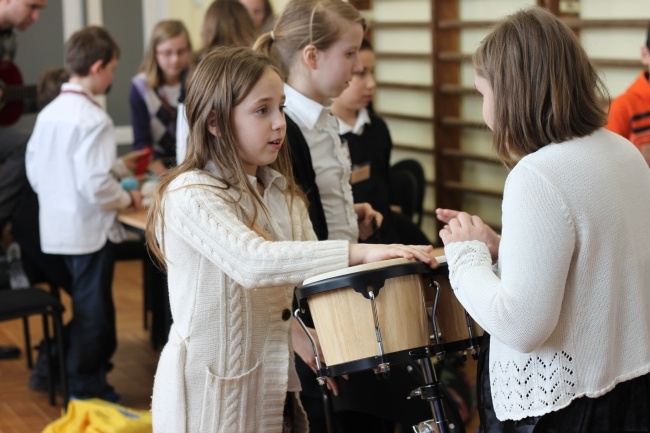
{"points": [[321, 374], [431, 390]]}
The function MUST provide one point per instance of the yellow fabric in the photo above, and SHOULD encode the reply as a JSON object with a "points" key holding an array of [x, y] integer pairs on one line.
{"points": [[99, 416]]}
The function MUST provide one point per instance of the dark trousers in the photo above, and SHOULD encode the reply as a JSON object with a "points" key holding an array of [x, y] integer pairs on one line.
{"points": [[13, 179], [91, 335]]}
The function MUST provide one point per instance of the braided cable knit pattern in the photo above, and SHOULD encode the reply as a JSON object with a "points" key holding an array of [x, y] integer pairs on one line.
{"points": [[228, 288], [233, 360]]}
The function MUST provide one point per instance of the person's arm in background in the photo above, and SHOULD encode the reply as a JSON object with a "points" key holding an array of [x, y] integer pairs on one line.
{"points": [[139, 120], [92, 164], [182, 132]]}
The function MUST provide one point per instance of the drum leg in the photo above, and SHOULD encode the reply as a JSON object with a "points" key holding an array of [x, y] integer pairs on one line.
{"points": [[321, 375], [383, 367], [431, 392], [472, 339], [329, 422]]}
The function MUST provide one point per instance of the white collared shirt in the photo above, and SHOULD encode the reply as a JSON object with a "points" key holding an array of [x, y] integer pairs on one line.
{"points": [[331, 162], [69, 160], [279, 227], [363, 119]]}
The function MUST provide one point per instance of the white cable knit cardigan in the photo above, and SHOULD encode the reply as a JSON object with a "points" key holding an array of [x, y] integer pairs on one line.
{"points": [[569, 311], [226, 365]]}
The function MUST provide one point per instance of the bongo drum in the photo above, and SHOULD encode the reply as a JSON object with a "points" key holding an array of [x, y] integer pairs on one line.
{"points": [[454, 329], [369, 316]]}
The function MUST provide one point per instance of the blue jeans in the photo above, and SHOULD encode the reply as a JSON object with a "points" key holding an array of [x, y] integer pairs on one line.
{"points": [[90, 336]]}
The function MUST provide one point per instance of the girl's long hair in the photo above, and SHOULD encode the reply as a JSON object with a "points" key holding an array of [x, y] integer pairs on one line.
{"points": [[222, 79]]}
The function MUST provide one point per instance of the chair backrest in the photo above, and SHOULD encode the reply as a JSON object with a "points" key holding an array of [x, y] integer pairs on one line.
{"points": [[407, 186]]}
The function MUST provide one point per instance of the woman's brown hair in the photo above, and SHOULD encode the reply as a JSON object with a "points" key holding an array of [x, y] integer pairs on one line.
{"points": [[227, 22], [306, 22], [545, 88], [222, 79]]}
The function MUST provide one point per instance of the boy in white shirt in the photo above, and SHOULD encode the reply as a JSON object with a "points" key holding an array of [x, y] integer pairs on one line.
{"points": [[71, 162]]}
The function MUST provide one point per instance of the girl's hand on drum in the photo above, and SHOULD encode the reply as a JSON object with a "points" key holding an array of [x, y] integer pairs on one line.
{"points": [[466, 227], [368, 253], [302, 347]]}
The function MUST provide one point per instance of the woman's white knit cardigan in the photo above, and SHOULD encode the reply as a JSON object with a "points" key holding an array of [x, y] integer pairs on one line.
{"points": [[569, 310]]}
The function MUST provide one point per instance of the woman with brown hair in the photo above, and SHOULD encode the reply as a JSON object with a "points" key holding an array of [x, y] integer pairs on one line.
{"points": [[568, 307], [225, 23]]}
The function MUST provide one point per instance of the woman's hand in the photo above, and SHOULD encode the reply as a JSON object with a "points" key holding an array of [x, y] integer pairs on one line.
{"points": [[303, 348], [131, 159], [368, 253], [157, 167], [365, 217], [461, 226], [136, 199]]}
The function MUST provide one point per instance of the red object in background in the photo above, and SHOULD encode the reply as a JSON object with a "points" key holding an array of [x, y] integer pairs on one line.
{"points": [[143, 162], [14, 93]]}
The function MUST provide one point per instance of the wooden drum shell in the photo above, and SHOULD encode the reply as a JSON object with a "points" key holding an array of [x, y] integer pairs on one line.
{"points": [[450, 316], [345, 325]]}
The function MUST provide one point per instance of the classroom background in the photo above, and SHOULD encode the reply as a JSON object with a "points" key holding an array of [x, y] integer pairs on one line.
{"points": [[424, 73]]}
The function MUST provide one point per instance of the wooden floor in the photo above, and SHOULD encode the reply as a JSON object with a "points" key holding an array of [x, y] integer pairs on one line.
{"points": [[25, 411]]}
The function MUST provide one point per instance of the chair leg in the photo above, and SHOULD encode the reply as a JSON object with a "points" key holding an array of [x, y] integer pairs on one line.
{"points": [[51, 383], [54, 290], [146, 295], [28, 343], [63, 371]]}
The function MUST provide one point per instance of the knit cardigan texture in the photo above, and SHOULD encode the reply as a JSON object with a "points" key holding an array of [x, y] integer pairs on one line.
{"points": [[226, 365], [569, 308]]}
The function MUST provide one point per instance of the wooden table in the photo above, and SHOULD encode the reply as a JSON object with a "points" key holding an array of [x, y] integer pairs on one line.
{"points": [[154, 280], [136, 219]]}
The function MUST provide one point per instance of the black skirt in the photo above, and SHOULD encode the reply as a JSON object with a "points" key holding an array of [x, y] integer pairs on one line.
{"points": [[626, 408]]}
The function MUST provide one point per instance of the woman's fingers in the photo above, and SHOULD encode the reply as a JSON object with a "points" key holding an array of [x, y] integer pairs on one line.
{"points": [[445, 215]]}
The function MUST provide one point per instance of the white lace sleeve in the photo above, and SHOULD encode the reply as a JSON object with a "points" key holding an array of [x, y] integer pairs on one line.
{"points": [[463, 255]]}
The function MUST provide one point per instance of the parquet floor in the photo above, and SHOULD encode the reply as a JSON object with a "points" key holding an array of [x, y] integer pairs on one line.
{"points": [[25, 411]]}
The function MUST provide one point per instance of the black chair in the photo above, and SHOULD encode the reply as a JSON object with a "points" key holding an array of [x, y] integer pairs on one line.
{"points": [[407, 186], [22, 303]]}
